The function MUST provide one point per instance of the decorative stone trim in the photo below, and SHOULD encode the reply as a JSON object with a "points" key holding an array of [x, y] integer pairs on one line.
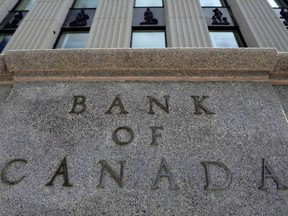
{"points": [[195, 64]]}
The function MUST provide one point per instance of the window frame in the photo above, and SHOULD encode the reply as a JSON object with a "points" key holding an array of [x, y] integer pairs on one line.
{"points": [[283, 3], [149, 6], [5, 34], [223, 4], [15, 8], [74, 30], [137, 29], [11, 31], [237, 35], [227, 29], [161, 26], [230, 27], [73, 5]]}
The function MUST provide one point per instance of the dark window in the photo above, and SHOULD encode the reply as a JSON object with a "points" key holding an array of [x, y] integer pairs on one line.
{"points": [[76, 27], [223, 28], [72, 39], [211, 3], [277, 3], [225, 39], [86, 4], [148, 39], [4, 39], [11, 22], [148, 3], [148, 26], [25, 5], [280, 7]]}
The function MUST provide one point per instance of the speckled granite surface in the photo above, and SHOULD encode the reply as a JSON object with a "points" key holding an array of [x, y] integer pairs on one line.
{"points": [[172, 64], [138, 59], [189, 63], [237, 124], [5, 75]]}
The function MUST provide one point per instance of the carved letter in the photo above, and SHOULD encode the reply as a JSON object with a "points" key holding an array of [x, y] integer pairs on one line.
{"points": [[62, 170], [79, 105], [115, 135], [3, 173], [114, 175], [117, 102], [155, 134], [268, 172], [209, 185], [152, 99], [199, 106], [164, 172]]}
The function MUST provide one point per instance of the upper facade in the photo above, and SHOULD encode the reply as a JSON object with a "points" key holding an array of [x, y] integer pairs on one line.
{"points": [[50, 24]]}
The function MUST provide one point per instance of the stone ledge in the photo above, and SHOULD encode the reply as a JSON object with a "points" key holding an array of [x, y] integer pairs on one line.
{"points": [[279, 75], [137, 64], [193, 59], [5, 75], [281, 66]]}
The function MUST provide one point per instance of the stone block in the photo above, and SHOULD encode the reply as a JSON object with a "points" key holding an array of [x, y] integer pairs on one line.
{"points": [[189, 63], [143, 148], [5, 75], [281, 91], [279, 75]]}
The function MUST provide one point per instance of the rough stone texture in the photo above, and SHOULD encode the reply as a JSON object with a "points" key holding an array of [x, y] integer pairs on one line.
{"points": [[3, 68], [5, 91], [281, 66], [5, 75], [248, 125], [280, 73], [281, 91], [142, 63]]}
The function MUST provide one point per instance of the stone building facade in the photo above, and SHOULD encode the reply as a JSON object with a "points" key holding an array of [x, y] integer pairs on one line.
{"points": [[145, 107], [111, 24]]}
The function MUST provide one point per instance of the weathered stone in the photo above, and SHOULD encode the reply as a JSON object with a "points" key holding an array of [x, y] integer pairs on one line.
{"points": [[5, 75], [279, 75], [129, 64], [282, 91], [103, 177]]}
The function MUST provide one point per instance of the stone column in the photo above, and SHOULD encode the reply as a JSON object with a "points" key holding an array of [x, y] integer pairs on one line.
{"points": [[185, 24], [259, 24], [41, 26], [5, 7], [111, 27]]}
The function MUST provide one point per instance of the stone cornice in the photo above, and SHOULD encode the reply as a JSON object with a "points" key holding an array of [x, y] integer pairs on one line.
{"points": [[195, 64], [6, 76]]}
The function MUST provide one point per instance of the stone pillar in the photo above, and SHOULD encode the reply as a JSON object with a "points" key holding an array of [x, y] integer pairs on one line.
{"points": [[185, 24], [259, 24], [111, 27], [5, 7], [41, 26]]}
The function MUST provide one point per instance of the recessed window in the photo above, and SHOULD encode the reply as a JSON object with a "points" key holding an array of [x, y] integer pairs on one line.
{"points": [[25, 5], [72, 39], [148, 3], [225, 39], [210, 3], [86, 4], [4, 39], [273, 3], [148, 39], [277, 3]]}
